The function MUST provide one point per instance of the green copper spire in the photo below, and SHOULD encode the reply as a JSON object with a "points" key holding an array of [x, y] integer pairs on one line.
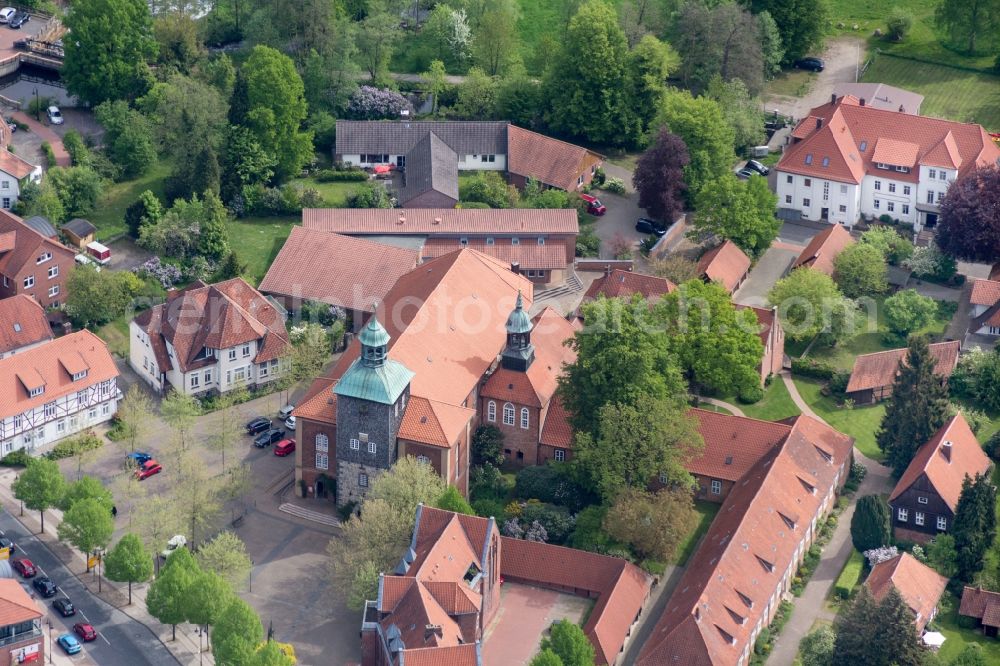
{"points": [[519, 321]]}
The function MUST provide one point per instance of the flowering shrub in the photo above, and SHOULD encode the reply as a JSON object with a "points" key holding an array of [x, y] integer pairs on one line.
{"points": [[876, 555], [166, 274], [370, 103], [615, 185]]}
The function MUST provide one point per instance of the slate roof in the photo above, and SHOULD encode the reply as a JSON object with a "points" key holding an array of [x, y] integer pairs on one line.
{"points": [[880, 368], [441, 221], [945, 471], [726, 264], [22, 323], [430, 165], [398, 137], [824, 248], [881, 96], [920, 586], [79, 227], [350, 272], [550, 161], [26, 243], [981, 604], [42, 226]]}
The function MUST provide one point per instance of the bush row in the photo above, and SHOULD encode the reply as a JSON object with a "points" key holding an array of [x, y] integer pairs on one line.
{"points": [[808, 367], [346, 175]]}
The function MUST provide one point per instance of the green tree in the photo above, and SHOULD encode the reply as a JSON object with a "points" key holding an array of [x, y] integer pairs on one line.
{"points": [[78, 188], [106, 58], [237, 634], [546, 658], [907, 311], [41, 200], [213, 241], [635, 444], [941, 555], [743, 111], [972, 655], [816, 649], [871, 525], [586, 86], [772, 49], [452, 500], [917, 408], [226, 555], [700, 123], [477, 96], [94, 298], [800, 23], [377, 36], [650, 63], [621, 359], [893, 247], [488, 187], [179, 40], [856, 628], [88, 525], [40, 486], [519, 100], [245, 164], [168, 597], [716, 346], [653, 524], [487, 446], [135, 416], [195, 495], [128, 562], [146, 210], [271, 654], [860, 270], [437, 82], [810, 304], [228, 427], [975, 524], [208, 596], [970, 24], [722, 39], [86, 488], [128, 138], [495, 44], [897, 643], [277, 105], [743, 212], [407, 484], [569, 643], [179, 410]]}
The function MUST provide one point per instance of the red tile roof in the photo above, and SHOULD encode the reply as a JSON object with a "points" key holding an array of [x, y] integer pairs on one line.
{"points": [[15, 166], [15, 604], [920, 586], [434, 423], [547, 160], [557, 431], [880, 368], [824, 248], [728, 583], [980, 603], [945, 467], [726, 264], [529, 254], [456, 655], [332, 268], [619, 284], [985, 292], [441, 221], [28, 244], [46, 365], [22, 323], [833, 150], [733, 444]]}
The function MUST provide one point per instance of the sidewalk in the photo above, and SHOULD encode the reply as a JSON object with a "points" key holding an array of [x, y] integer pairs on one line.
{"points": [[46, 134], [185, 648]]}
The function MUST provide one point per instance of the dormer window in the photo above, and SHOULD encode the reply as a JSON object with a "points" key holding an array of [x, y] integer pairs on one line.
{"points": [[768, 567], [43, 258], [826, 161], [37, 391], [489, 240], [77, 376], [515, 241], [464, 242], [880, 165]]}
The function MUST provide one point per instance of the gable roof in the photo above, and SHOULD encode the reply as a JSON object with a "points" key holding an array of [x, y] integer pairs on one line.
{"points": [[15, 166], [619, 283], [527, 254], [550, 161], [920, 586], [557, 430], [28, 244], [430, 165], [881, 96], [752, 541], [50, 366], [726, 264], [15, 604], [42, 225], [880, 368], [398, 137], [733, 444], [79, 227], [350, 272], [434, 423], [22, 323], [981, 604], [985, 292], [824, 248], [441, 221], [944, 466]]}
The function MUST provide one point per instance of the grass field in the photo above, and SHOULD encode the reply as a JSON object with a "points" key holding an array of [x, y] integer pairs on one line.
{"points": [[791, 83], [861, 423], [948, 92], [775, 405], [115, 334], [957, 638], [109, 215], [707, 511], [334, 194], [257, 241]]}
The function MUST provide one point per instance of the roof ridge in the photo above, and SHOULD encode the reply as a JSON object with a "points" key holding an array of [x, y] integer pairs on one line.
{"points": [[745, 418]]}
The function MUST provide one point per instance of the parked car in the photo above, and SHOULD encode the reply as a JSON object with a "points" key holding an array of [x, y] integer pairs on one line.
{"points": [[285, 412], [85, 631], [6, 13], [148, 469], [137, 458], [11, 124], [19, 19], [290, 423], [284, 448], [69, 643], [24, 567], [55, 115], [594, 205], [811, 63], [64, 606], [268, 437], [5, 542], [259, 424], [754, 165], [644, 225], [45, 586], [175, 542], [745, 173]]}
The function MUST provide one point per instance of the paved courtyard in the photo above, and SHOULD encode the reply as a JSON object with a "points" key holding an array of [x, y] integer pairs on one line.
{"points": [[769, 269], [526, 612]]}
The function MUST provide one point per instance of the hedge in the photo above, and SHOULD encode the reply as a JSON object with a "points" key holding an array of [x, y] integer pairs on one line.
{"points": [[332, 176], [70, 447], [850, 575], [808, 367], [18, 458]]}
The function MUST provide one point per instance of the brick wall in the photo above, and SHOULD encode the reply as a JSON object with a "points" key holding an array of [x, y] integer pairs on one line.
{"points": [[305, 452]]}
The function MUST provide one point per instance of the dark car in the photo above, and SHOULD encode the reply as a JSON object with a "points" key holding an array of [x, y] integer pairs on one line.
{"points": [[64, 606], [268, 437], [644, 225], [45, 586], [19, 19], [24, 567], [137, 459], [259, 424], [7, 543], [810, 63], [754, 165], [745, 173]]}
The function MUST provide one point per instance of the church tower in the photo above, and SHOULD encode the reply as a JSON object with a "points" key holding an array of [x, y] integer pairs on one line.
{"points": [[519, 352]]}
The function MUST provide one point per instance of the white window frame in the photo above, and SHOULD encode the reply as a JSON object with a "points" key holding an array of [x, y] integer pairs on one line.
{"points": [[53, 290], [716, 487], [29, 282], [371, 447], [918, 518], [246, 350], [195, 381], [942, 523], [922, 500], [902, 515], [491, 411], [362, 480], [932, 173], [525, 418], [232, 354], [355, 444], [560, 455], [322, 443], [53, 271], [322, 460], [906, 209], [508, 414], [906, 190]]}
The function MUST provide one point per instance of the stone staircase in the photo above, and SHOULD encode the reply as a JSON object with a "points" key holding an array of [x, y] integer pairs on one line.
{"points": [[571, 286], [309, 514]]}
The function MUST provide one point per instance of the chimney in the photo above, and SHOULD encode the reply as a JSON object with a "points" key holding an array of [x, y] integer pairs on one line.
{"points": [[402, 219], [515, 267], [607, 270], [902, 109], [833, 98], [819, 123], [946, 451], [862, 101]]}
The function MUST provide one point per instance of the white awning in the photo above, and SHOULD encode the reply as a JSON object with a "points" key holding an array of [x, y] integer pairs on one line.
{"points": [[933, 639]]}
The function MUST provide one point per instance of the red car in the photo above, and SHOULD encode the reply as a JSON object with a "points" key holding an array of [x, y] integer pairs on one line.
{"points": [[148, 469], [85, 631], [25, 568], [284, 447], [594, 205]]}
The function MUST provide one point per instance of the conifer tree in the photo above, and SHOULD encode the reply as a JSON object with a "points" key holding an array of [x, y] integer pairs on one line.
{"points": [[896, 642], [856, 627], [871, 525], [975, 524]]}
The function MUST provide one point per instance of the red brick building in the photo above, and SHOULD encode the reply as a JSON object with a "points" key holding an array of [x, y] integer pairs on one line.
{"points": [[824, 248], [725, 264], [21, 637], [31, 263], [920, 586], [874, 375]]}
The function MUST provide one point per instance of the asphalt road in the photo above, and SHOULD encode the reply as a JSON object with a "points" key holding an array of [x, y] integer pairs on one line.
{"points": [[120, 640]]}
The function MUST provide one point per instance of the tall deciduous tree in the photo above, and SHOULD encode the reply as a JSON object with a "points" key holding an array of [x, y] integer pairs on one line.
{"points": [[969, 222], [452, 500], [135, 414], [570, 644], [816, 649], [226, 555], [659, 177], [720, 40], [871, 524], [86, 488], [97, 297], [546, 658], [106, 57], [195, 495], [128, 562], [907, 311], [168, 597], [861, 270], [207, 597], [743, 111], [128, 138], [228, 427], [377, 36], [653, 524], [810, 304], [237, 634], [971, 25], [742, 211], [975, 524], [88, 525], [917, 408], [40, 486], [496, 41], [586, 86], [650, 63], [800, 23], [179, 410]]}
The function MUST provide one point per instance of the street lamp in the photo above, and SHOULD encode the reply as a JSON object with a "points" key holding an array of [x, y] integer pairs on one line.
{"points": [[48, 623], [37, 110], [16, 478]]}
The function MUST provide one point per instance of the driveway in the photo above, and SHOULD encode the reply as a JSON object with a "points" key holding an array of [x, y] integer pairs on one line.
{"points": [[126, 255], [799, 233], [771, 268], [618, 222], [841, 57]]}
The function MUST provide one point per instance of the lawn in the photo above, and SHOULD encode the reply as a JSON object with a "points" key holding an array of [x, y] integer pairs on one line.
{"points": [[258, 239], [334, 194], [706, 511], [861, 423], [957, 637], [775, 405], [948, 92], [115, 334], [109, 215], [791, 83]]}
